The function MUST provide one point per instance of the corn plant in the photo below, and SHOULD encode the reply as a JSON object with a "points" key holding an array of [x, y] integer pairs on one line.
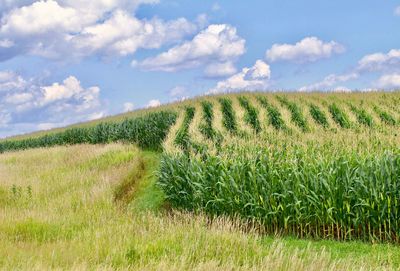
{"points": [[251, 114], [206, 127], [362, 116], [229, 116], [274, 116], [307, 192], [182, 138], [339, 116], [318, 115], [296, 113], [385, 116]]}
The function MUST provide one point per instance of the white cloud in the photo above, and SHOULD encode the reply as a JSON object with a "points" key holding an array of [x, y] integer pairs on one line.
{"points": [[330, 81], [380, 61], [249, 79], [397, 11], [35, 19], [123, 34], [219, 69], [70, 87], [128, 107], [27, 105], [308, 49], [389, 81], [82, 28], [153, 103], [216, 44], [177, 91]]}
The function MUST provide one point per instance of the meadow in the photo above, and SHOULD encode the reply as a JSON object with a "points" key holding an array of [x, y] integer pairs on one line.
{"points": [[239, 181]]}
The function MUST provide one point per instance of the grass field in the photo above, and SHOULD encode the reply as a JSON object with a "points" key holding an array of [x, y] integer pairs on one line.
{"points": [[244, 181]]}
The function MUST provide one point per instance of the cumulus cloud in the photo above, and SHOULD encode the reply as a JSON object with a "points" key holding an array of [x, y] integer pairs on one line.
{"points": [[215, 45], [153, 103], [83, 28], [308, 49], [128, 107], [25, 104], [380, 61], [249, 79], [389, 81], [123, 34]]}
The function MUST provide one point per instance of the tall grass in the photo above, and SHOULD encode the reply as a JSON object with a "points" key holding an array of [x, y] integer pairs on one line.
{"points": [[251, 114], [274, 116], [148, 132]]}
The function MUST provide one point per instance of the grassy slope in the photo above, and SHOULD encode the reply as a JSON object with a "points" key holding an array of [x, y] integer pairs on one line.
{"points": [[58, 211]]}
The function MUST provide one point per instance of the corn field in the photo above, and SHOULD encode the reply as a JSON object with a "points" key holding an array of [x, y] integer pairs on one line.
{"points": [[148, 132], [319, 166]]}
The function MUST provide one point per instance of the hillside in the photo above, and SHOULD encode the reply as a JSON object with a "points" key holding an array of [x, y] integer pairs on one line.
{"points": [[198, 180]]}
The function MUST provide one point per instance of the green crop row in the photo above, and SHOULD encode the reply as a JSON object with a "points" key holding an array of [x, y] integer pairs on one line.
{"points": [[206, 127], [148, 131], [318, 115], [362, 116], [385, 116], [182, 138], [229, 116], [251, 114], [297, 115], [303, 192], [274, 116], [339, 116]]}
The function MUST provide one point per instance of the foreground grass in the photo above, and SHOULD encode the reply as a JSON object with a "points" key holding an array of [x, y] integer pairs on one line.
{"points": [[97, 208]]}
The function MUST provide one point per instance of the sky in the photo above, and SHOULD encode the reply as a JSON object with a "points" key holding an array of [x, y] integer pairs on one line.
{"points": [[68, 61]]}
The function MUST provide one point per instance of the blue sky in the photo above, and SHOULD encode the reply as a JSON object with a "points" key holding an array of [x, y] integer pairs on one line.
{"points": [[69, 61]]}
